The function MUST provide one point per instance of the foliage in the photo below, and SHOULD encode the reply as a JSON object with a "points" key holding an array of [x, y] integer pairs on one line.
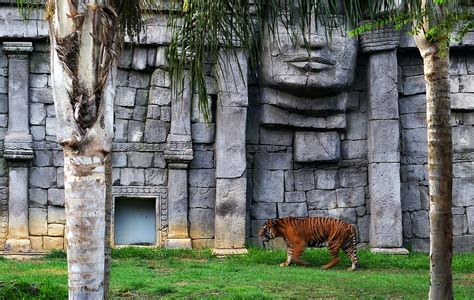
{"points": [[56, 254], [148, 273]]}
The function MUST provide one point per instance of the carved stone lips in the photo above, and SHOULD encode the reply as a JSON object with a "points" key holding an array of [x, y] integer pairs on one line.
{"points": [[310, 64]]}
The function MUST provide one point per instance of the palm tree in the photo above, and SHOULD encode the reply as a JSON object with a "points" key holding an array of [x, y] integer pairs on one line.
{"points": [[214, 24]]}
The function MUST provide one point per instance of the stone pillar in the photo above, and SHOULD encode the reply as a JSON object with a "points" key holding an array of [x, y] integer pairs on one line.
{"points": [[18, 149], [178, 154], [231, 182], [386, 231]]}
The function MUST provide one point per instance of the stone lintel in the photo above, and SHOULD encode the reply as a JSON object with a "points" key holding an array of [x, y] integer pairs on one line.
{"points": [[231, 251], [18, 146], [184, 243], [393, 251], [379, 40], [17, 47]]}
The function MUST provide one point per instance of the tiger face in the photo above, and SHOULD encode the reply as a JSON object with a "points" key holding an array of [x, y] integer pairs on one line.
{"points": [[268, 231]]}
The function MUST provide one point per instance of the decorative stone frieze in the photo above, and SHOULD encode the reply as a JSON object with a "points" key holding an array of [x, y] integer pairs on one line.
{"points": [[379, 40]]}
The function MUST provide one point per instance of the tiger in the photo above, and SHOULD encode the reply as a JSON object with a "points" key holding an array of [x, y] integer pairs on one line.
{"points": [[300, 233]]}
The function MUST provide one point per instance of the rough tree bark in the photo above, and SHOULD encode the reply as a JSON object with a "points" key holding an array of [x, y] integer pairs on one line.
{"points": [[436, 63], [83, 40]]}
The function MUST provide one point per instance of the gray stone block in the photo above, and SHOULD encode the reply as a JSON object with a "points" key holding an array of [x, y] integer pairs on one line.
{"points": [[273, 161], [130, 176], [37, 221], [38, 133], [165, 113], [420, 245], [159, 96], [350, 197], [463, 243], [37, 114], [51, 126], [203, 133], [141, 97], [125, 96], [303, 179], [161, 60], [115, 176], [321, 199], [363, 224], [298, 196], [411, 199], [41, 95], [44, 177], [122, 78], [202, 160], [39, 63], [139, 59], [56, 197], [202, 197], [252, 135], [58, 158], [276, 137], [463, 192], [42, 158], [121, 130], [406, 224], [139, 80], [136, 130], [153, 112], [56, 230], [417, 120], [414, 142], [197, 116], [384, 142], [336, 121], [125, 59], [264, 211], [3, 103], [466, 83], [317, 146], [156, 177], [160, 78], [37, 198], [56, 215], [123, 112], [463, 169], [412, 172], [289, 181], [361, 210], [159, 160], [119, 159], [462, 102], [470, 219], [202, 178], [414, 85], [460, 226], [326, 179], [420, 224], [318, 213], [346, 214], [156, 131], [354, 149], [463, 138], [292, 210], [412, 104], [356, 126], [268, 186], [140, 159], [353, 177], [201, 223], [139, 113], [60, 177]]}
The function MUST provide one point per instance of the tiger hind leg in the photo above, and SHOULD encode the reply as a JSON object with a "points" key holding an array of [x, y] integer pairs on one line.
{"points": [[334, 251], [351, 252]]}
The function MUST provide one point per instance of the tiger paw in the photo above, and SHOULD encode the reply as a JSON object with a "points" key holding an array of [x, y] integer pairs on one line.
{"points": [[325, 267], [285, 264], [351, 269]]}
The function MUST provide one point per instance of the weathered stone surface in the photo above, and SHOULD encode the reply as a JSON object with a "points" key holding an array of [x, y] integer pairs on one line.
{"points": [[463, 192], [140, 159], [197, 116], [56, 197], [125, 96], [459, 224], [37, 198], [414, 85], [36, 243], [135, 131], [363, 229], [160, 78], [420, 224], [37, 114], [356, 126], [276, 137], [119, 159], [60, 177], [139, 113], [56, 215], [303, 179], [326, 179], [37, 221], [58, 158], [462, 101], [384, 143], [273, 161], [463, 138], [156, 177], [353, 177], [56, 230], [139, 80], [202, 197], [121, 130], [298, 196], [202, 178], [129, 176], [292, 210], [289, 181], [464, 243], [50, 243], [411, 199], [346, 214], [202, 160], [139, 58], [159, 96], [201, 223], [156, 131], [268, 186], [354, 149], [317, 146], [409, 121], [321, 199], [51, 127], [385, 207], [470, 219], [350, 197], [264, 211], [44, 177], [159, 160], [414, 142], [42, 158]]}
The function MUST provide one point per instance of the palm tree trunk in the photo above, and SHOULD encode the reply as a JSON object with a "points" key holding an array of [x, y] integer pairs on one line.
{"points": [[439, 167]]}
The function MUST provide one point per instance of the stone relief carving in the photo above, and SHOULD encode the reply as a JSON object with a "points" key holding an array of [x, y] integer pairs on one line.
{"points": [[304, 88]]}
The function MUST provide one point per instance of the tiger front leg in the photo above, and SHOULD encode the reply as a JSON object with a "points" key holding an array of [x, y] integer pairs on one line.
{"points": [[294, 252]]}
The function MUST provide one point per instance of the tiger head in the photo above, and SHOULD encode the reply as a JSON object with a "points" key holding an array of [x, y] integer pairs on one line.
{"points": [[268, 231]]}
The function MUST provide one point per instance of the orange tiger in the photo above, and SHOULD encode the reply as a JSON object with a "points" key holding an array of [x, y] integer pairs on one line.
{"points": [[300, 233]]}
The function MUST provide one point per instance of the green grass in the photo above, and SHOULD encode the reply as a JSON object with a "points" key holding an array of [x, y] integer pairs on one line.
{"points": [[145, 273]]}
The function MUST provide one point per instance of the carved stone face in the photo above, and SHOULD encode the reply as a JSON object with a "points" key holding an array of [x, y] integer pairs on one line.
{"points": [[327, 68]]}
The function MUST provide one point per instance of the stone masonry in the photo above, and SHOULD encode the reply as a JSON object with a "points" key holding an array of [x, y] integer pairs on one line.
{"points": [[350, 144]]}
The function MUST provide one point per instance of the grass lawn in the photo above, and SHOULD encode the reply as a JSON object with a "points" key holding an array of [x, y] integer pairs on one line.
{"points": [[145, 273]]}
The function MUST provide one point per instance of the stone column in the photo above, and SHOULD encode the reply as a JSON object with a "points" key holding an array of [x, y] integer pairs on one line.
{"points": [[18, 149], [178, 154], [386, 231], [231, 182]]}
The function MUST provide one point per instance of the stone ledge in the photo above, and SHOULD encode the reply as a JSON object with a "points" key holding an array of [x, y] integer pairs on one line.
{"points": [[392, 251], [226, 252], [23, 256], [184, 243], [17, 47]]}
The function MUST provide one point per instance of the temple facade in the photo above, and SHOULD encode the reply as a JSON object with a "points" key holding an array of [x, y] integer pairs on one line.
{"points": [[339, 133]]}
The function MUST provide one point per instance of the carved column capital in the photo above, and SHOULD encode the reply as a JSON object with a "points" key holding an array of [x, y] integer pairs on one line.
{"points": [[179, 150], [17, 48], [379, 40]]}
